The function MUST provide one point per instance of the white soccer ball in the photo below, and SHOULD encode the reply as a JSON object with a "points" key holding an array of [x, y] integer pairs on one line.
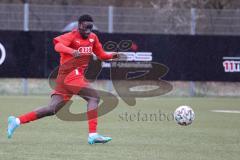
{"points": [[184, 115]]}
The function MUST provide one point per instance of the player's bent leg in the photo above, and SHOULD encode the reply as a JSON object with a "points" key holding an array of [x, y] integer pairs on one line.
{"points": [[92, 98], [55, 104], [92, 114]]}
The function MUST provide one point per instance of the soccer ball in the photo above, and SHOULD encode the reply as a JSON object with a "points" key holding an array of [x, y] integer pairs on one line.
{"points": [[184, 115]]}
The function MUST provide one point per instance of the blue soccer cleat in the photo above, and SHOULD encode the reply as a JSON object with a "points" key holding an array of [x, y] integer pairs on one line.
{"points": [[12, 125], [98, 139]]}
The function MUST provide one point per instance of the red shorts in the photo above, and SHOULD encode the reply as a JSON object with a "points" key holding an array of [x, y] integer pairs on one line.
{"points": [[70, 85]]}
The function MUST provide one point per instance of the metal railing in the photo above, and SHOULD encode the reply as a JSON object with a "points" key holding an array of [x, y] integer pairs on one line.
{"points": [[121, 20]]}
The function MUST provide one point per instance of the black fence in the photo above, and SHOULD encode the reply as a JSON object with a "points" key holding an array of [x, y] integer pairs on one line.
{"points": [[189, 58]]}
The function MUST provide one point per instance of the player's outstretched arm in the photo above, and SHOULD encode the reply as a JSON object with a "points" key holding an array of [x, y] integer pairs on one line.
{"points": [[101, 54]]}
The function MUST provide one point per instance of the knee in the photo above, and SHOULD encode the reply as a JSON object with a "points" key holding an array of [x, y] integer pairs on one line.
{"points": [[95, 100], [93, 103]]}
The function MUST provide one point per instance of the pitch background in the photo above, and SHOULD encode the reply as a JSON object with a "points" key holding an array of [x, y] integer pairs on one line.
{"points": [[212, 136]]}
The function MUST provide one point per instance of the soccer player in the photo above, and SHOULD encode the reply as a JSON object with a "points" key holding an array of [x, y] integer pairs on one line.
{"points": [[75, 48]]}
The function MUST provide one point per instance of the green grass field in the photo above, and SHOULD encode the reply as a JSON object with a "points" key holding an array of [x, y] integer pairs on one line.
{"points": [[212, 136]]}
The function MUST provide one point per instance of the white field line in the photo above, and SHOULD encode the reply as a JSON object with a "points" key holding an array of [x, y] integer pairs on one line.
{"points": [[226, 111]]}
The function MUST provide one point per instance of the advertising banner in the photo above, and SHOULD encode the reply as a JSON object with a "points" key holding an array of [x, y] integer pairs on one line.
{"points": [[188, 58]]}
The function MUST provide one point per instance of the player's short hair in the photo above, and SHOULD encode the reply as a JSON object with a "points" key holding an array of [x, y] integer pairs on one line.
{"points": [[85, 17]]}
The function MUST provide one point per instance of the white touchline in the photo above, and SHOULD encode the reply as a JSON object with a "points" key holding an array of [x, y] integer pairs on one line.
{"points": [[226, 111]]}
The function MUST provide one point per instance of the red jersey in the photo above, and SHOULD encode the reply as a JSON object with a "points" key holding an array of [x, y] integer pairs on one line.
{"points": [[70, 77], [85, 46]]}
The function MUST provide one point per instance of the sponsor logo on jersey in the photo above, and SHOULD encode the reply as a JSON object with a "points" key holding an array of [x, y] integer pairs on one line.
{"points": [[231, 64], [85, 49], [2, 54]]}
